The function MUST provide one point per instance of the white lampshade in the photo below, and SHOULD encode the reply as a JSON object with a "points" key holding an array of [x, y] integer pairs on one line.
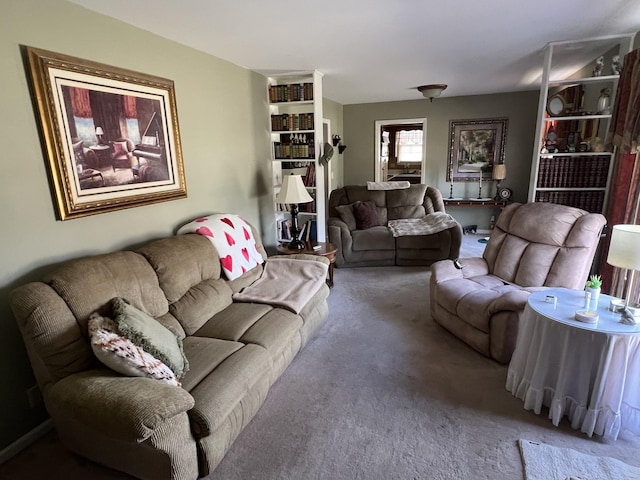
{"points": [[293, 191], [499, 171], [624, 249], [99, 131]]}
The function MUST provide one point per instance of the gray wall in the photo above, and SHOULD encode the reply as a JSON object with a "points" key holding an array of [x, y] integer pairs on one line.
{"points": [[520, 108], [223, 118]]}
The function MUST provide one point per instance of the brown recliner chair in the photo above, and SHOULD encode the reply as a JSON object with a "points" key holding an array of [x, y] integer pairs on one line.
{"points": [[533, 246]]}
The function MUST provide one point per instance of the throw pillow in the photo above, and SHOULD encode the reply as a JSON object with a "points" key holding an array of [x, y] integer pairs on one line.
{"points": [[366, 215], [146, 332], [122, 356], [346, 215], [119, 148]]}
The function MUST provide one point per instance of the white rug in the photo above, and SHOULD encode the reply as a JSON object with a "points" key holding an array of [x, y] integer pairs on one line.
{"points": [[546, 462]]}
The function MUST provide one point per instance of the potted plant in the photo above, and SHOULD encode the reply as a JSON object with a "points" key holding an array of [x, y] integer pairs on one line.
{"points": [[593, 285]]}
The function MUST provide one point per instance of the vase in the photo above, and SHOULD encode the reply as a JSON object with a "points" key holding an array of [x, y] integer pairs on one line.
{"points": [[595, 296]]}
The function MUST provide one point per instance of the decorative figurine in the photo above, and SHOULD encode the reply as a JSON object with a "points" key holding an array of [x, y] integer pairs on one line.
{"points": [[616, 65], [597, 71]]}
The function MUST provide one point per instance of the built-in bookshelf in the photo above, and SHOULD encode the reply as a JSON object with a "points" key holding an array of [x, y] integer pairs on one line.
{"points": [[572, 161], [295, 104]]}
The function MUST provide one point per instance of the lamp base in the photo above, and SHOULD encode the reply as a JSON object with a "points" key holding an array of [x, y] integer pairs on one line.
{"points": [[296, 244]]}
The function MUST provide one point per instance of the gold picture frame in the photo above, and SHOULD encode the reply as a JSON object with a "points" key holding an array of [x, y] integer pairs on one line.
{"points": [[474, 147], [111, 135]]}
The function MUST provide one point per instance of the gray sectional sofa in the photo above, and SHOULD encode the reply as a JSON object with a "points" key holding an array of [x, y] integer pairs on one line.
{"points": [[140, 425], [376, 246]]}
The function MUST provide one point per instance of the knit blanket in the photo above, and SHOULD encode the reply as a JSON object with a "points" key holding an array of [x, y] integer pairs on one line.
{"points": [[233, 240], [427, 225], [286, 282], [397, 185]]}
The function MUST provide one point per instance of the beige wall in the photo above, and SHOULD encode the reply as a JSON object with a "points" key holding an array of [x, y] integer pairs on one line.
{"points": [[223, 118], [520, 108]]}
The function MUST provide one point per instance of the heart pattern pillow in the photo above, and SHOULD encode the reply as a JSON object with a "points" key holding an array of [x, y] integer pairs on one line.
{"points": [[233, 240]]}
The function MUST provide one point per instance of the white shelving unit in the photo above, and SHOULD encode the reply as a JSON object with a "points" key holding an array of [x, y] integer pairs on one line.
{"points": [[295, 107], [574, 168]]}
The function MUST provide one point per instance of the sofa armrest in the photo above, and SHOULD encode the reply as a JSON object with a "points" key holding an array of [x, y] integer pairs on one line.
{"points": [[127, 408], [446, 270], [340, 236]]}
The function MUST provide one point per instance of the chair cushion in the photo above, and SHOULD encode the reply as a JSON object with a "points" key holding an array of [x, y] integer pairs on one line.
{"points": [[376, 238]]}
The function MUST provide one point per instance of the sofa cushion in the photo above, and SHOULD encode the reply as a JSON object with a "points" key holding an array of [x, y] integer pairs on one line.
{"points": [[346, 215], [151, 335], [200, 303], [204, 355], [366, 215], [121, 355], [376, 238], [232, 322]]}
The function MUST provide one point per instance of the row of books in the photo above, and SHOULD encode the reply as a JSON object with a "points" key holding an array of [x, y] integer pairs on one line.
{"points": [[294, 92], [591, 201], [293, 150], [308, 230], [290, 122], [573, 172], [309, 178]]}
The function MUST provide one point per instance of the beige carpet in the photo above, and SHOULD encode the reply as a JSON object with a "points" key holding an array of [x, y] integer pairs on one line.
{"points": [[546, 462], [381, 393]]}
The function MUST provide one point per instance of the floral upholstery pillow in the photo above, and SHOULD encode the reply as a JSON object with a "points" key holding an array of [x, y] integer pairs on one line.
{"points": [[121, 355]]}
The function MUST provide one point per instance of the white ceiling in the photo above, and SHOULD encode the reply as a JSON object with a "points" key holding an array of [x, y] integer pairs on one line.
{"points": [[380, 50]]}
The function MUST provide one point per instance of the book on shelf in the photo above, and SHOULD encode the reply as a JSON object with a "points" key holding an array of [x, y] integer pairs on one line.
{"points": [[291, 92]]}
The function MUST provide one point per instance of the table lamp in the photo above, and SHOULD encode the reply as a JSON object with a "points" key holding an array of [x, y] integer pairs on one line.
{"points": [[499, 173], [99, 134], [294, 192], [624, 252]]}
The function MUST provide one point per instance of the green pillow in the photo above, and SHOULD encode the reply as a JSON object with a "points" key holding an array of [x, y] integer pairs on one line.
{"points": [[149, 334]]}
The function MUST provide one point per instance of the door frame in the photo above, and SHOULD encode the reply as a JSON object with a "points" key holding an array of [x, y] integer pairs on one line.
{"points": [[378, 168]]}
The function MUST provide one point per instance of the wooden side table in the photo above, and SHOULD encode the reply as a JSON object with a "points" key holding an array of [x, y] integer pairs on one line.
{"points": [[326, 250]]}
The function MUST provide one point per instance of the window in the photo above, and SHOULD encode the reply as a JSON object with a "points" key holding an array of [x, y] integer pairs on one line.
{"points": [[409, 146]]}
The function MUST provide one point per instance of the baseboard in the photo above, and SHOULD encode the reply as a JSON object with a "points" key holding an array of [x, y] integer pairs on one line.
{"points": [[23, 442]]}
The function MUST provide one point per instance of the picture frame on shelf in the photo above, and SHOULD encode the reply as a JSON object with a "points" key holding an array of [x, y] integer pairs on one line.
{"points": [[474, 147], [110, 135]]}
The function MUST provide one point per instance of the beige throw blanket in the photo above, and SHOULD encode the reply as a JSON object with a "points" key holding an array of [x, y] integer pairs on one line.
{"points": [[431, 223], [395, 185], [286, 282]]}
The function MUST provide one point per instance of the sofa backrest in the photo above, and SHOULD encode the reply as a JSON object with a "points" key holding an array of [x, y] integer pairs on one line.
{"points": [[544, 244], [412, 202]]}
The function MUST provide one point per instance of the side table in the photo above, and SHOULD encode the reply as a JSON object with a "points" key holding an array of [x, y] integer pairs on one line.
{"points": [[326, 250]]}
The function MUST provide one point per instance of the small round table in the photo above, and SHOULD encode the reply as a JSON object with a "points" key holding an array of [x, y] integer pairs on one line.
{"points": [[326, 250]]}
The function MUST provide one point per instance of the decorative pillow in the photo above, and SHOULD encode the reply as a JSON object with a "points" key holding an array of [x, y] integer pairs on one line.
{"points": [[119, 148], [366, 215], [233, 240], [151, 335], [121, 355], [346, 215]]}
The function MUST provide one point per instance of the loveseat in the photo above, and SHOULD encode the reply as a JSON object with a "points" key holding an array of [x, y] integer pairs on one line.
{"points": [[532, 247], [377, 245], [235, 352]]}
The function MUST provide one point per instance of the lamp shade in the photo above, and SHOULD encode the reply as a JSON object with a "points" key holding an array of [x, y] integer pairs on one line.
{"points": [[499, 171], [624, 249], [99, 131], [293, 191], [432, 91]]}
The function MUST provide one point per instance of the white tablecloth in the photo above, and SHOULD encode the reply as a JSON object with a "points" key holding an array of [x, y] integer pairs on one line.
{"points": [[588, 372]]}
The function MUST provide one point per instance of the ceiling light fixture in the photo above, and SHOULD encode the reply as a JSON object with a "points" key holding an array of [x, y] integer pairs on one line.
{"points": [[432, 91]]}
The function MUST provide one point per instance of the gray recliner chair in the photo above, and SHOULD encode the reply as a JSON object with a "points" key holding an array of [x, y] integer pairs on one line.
{"points": [[533, 246]]}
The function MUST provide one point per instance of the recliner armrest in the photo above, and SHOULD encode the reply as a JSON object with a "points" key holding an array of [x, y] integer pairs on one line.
{"points": [[445, 270], [128, 408]]}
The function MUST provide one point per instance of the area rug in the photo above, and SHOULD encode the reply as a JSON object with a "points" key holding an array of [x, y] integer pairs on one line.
{"points": [[546, 462]]}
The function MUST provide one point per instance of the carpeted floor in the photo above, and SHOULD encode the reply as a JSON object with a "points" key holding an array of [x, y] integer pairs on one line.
{"points": [[382, 393]]}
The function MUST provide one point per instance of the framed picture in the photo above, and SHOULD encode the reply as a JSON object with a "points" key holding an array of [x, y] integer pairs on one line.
{"points": [[111, 135], [474, 146]]}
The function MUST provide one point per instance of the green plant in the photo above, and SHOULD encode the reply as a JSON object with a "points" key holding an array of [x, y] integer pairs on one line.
{"points": [[594, 281]]}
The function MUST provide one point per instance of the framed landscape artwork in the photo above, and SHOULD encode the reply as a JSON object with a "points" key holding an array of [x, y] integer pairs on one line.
{"points": [[111, 135], [474, 147]]}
